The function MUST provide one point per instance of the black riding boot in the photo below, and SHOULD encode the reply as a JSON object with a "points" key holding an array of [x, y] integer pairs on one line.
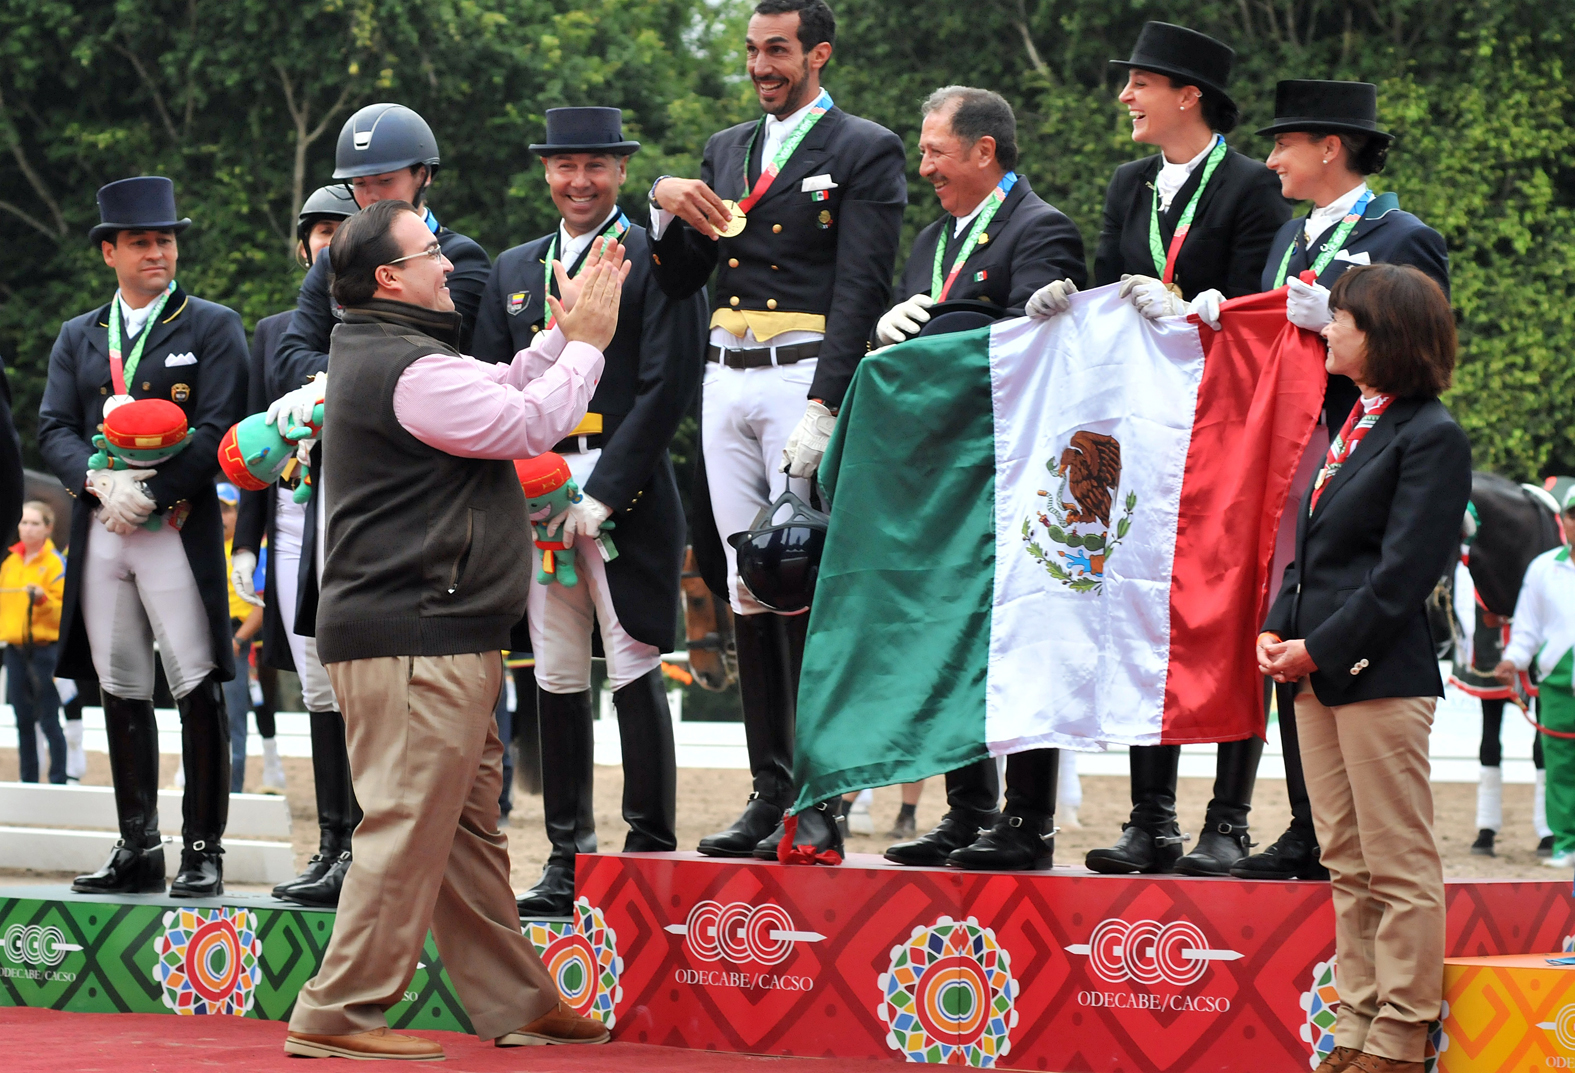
{"points": [[568, 747], [650, 768], [811, 830], [337, 816], [136, 864], [972, 793], [205, 808], [1023, 836], [527, 768], [1151, 839], [1225, 840], [1294, 854], [764, 660]]}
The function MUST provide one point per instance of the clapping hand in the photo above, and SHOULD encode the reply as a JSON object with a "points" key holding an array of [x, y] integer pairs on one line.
{"points": [[608, 251], [594, 319]]}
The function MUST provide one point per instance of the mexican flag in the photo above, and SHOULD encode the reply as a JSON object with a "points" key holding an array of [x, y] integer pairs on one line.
{"points": [[1051, 533]]}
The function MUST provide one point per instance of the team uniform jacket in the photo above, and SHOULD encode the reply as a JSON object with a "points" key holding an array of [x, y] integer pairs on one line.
{"points": [[832, 257], [1028, 244], [1386, 528], [1386, 234], [256, 516], [1236, 220], [649, 380], [207, 345]]}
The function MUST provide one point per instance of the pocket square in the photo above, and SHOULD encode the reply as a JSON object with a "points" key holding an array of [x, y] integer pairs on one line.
{"points": [[187, 358], [1354, 258], [816, 182]]}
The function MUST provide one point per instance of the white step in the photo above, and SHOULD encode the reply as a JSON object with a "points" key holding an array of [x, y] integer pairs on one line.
{"points": [[54, 850], [94, 806]]}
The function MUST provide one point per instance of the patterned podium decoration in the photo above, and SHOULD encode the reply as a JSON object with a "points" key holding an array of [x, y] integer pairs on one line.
{"points": [[1322, 1003], [948, 996], [208, 960], [583, 960]]}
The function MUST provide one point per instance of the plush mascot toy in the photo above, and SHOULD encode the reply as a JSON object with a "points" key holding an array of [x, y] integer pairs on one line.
{"points": [[549, 485], [253, 454], [139, 434]]}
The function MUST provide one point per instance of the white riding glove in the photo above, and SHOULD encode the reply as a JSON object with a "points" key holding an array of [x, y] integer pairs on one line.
{"points": [[801, 457], [584, 518], [1307, 305], [1207, 306], [904, 320], [1051, 300], [295, 407], [1155, 300], [124, 502], [243, 567]]}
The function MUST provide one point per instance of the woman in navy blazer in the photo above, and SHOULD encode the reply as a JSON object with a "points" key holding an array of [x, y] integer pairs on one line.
{"points": [[1374, 532]]}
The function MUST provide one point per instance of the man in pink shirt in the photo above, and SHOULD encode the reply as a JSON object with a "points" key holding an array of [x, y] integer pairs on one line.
{"points": [[423, 579]]}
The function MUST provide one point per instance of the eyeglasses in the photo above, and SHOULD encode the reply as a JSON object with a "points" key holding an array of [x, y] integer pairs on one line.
{"points": [[434, 251]]}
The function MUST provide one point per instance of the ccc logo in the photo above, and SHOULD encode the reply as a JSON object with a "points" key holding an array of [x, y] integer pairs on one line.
{"points": [[1148, 952], [739, 933], [1562, 1027], [33, 944]]}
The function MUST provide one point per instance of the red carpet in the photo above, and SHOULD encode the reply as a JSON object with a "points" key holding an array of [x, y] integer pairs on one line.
{"points": [[46, 1041]]}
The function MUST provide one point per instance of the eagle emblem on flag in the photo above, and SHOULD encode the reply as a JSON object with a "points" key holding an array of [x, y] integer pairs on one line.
{"points": [[1075, 520]]}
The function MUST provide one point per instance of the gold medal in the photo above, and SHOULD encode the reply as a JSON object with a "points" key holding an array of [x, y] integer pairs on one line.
{"points": [[1174, 288], [736, 224]]}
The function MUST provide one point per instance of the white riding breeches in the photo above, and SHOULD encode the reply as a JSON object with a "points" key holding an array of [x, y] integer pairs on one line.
{"points": [[561, 617], [138, 589], [746, 417], [289, 522]]}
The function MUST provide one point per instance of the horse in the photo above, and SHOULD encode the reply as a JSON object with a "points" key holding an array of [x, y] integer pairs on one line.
{"points": [[1507, 526], [708, 630]]}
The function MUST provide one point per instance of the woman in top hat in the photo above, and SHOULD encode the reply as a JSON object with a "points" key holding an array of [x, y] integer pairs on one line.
{"points": [[1184, 229], [1326, 142], [129, 584]]}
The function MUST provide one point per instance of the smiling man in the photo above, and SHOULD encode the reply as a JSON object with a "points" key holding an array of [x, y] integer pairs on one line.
{"points": [[1000, 242], [798, 213], [619, 459]]}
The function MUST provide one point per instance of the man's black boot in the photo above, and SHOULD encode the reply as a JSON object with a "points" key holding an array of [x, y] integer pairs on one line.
{"points": [[1020, 841], [1151, 840], [1225, 839], [205, 808], [816, 834], [136, 864], [650, 770], [1294, 855], [764, 688], [972, 794], [336, 811], [568, 753]]}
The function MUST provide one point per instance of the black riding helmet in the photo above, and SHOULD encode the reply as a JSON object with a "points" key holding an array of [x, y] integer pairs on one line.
{"points": [[779, 560], [326, 203], [382, 138]]}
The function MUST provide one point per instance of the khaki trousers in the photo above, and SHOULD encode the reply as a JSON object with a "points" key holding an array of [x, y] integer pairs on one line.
{"points": [[427, 767], [1367, 775]]}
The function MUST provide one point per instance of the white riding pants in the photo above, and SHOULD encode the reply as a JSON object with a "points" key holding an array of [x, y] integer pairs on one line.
{"points": [[138, 589], [561, 617], [289, 524], [747, 416]]}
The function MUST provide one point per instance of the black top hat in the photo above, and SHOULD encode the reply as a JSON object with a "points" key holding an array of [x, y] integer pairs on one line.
{"points": [[1196, 59], [146, 203], [585, 130], [1309, 104]]}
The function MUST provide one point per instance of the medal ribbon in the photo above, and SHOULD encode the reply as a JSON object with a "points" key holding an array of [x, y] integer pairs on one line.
{"points": [[768, 173], [1351, 433], [938, 289], [1165, 260], [1329, 248], [619, 225], [118, 374]]}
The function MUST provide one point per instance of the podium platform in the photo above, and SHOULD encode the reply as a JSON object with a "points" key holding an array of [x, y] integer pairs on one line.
{"points": [[1509, 1014], [1062, 970]]}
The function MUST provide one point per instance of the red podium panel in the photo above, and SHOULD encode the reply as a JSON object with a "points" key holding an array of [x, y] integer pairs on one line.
{"points": [[1061, 970]]}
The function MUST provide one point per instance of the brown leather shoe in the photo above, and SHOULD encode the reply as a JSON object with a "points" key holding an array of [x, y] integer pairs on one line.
{"points": [[561, 1025], [1339, 1060], [1374, 1063], [378, 1043]]}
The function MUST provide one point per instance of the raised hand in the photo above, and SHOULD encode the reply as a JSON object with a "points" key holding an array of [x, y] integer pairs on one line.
{"points": [[603, 251], [594, 319], [695, 203]]}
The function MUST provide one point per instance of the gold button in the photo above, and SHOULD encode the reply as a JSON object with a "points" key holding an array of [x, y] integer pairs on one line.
{"points": [[655, 258], [733, 301], [732, 262], [146, 386], [771, 303], [984, 238], [776, 229], [101, 426], [774, 268], [103, 391], [534, 328]]}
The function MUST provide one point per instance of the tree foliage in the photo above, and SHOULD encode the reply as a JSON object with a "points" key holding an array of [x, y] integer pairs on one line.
{"points": [[240, 101]]}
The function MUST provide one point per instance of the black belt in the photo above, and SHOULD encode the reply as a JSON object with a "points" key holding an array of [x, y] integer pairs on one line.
{"points": [[760, 357], [580, 444]]}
